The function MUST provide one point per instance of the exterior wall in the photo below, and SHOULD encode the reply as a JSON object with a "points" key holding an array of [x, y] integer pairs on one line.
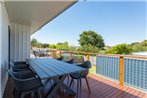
{"points": [[4, 22], [0, 44], [19, 42]]}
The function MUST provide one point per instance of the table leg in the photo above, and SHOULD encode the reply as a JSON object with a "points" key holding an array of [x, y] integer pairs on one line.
{"points": [[59, 82]]}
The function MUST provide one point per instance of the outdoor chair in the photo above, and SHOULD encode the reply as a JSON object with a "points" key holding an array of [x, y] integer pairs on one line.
{"points": [[18, 63], [60, 58], [78, 60], [35, 54], [80, 75], [25, 83], [70, 61], [19, 66]]}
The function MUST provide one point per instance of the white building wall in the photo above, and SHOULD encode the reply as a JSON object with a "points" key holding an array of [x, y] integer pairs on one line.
{"points": [[4, 22], [19, 42], [0, 45]]}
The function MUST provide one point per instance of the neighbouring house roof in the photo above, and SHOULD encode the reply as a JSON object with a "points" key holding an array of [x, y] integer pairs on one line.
{"points": [[143, 53], [35, 13]]}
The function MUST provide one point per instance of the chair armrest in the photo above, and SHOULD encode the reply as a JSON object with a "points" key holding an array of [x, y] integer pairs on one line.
{"points": [[19, 62], [28, 84], [18, 79]]}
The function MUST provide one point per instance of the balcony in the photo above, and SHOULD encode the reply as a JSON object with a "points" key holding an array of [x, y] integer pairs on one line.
{"points": [[116, 77], [100, 88]]}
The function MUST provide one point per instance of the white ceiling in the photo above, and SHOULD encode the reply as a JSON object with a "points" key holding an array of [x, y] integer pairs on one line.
{"points": [[36, 13]]}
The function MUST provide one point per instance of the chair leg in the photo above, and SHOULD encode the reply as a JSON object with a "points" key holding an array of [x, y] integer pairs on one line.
{"points": [[14, 92], [32, 95], [20, 95], [70, 83], [87, 84], [78, 87], [38, 94], [67, 79]]}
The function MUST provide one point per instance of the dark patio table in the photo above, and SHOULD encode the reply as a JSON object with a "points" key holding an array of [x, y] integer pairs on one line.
{"points": [[48, 68]]}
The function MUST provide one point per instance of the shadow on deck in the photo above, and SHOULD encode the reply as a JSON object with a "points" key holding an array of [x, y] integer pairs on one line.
{"points": [[100, 88]]}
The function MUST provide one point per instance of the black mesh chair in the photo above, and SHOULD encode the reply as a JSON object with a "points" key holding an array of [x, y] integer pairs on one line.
{"points": [[19, 64], [60, 58], [19, 67], [70, 61], [80, 75], [35, 53], [25, 83]]}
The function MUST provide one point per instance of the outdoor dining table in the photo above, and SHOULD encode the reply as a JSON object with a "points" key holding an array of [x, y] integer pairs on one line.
{"points": [[48, 68]]}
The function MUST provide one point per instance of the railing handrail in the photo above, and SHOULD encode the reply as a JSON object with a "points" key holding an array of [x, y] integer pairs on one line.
{"points": [[98, 54], [120, 56]]}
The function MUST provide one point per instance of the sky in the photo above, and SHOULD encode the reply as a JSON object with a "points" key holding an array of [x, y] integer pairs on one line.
{"points": [[116, 22]]}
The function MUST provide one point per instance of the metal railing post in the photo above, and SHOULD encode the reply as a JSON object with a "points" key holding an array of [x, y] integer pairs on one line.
{"points": [[88, 57], [121, 70], [52, 53], [70, 55], [60, 53]]}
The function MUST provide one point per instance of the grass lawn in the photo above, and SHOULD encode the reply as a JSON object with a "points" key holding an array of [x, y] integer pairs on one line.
{"points": [[93, 70]]}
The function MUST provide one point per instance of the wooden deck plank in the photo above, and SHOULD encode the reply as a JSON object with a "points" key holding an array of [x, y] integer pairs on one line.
{"points": [[135, 94], [141, 94], [100, 88], [124, 93]]}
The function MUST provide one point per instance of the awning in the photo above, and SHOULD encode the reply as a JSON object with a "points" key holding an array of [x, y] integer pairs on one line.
{"points": [[36, 13]]}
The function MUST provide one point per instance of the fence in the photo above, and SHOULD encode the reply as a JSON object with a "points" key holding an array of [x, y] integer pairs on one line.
{"points": [[134, 70], [126, 69]]}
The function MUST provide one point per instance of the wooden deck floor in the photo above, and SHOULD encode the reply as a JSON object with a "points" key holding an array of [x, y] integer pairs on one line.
{"points": [[100, 88]]}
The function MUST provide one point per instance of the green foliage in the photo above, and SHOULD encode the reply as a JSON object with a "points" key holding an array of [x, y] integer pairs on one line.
{"points": [[52, 46], [34, 42], [139, 46], [91, 38], [88, 48], [44, 45], [39, 45], [62, 46], [78, 59], [72, 48], [120, 49]]}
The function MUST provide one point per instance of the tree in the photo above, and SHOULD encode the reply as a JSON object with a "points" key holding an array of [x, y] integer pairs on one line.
{"points": [[139, 46], [39, 45], [62, 46], [52, 46], [120, 49], [45, 45], [88, 48], [34, 42], [91, 38]]}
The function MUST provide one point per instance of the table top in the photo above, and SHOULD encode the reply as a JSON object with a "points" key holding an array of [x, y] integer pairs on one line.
{"points": [[48, 68]]}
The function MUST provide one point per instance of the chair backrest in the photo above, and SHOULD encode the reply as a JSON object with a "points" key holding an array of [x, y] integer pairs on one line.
{"points": [[35, 53], [60, 58], [11, 64], [23, 82], [78, 59], [87, 65], [70, 61], [12, 61]]}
